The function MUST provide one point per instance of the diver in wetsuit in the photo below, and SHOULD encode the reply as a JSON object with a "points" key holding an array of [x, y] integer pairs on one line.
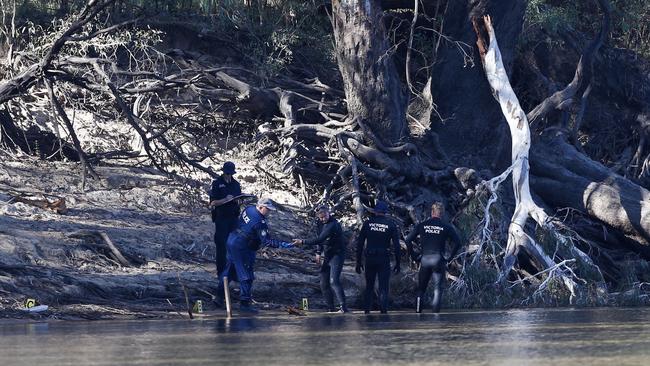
{"points": [[433, 234], [376, 235], [331, 249]]}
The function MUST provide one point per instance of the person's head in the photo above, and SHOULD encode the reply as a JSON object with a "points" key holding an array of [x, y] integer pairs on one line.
{"points": [[265, 206], [437, 209], [228, 169], [381, 208], [323, 213]]}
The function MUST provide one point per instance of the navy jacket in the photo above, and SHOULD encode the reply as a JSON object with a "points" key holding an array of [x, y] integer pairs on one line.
{"points": [[219, 190], [252, 228]]}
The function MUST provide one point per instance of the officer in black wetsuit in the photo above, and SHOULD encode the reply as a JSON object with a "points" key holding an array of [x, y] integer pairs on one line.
{"points": [[376, 236], [331, 247], [225, 210], [433, 234]]}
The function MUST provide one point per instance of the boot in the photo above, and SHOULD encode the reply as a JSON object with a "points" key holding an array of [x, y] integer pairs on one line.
{"points": [[247, 307]]}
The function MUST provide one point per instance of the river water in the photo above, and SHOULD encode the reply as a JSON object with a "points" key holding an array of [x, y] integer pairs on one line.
{"points": [[581, 337]]}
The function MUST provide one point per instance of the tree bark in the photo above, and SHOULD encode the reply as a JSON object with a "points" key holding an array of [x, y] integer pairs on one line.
{"points": [[372, 86], [564, 177]]}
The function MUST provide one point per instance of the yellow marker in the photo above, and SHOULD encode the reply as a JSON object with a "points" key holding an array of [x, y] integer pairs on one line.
{"points": [[198, 307], [30, 303]]}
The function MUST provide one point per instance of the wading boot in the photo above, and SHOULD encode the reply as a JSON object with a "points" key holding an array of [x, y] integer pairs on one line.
{"points": [[247, 307]]}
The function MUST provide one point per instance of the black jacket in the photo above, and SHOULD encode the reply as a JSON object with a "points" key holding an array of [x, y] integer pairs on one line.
{"points": [[219, 190], [330, 240], [433, 234], [376, 236]]}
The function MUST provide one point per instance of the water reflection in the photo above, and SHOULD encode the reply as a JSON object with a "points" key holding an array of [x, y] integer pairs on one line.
{"points": [[516, 337]]}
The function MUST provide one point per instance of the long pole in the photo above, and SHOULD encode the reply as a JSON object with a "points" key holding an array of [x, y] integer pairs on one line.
{"points": [[226, 290]]}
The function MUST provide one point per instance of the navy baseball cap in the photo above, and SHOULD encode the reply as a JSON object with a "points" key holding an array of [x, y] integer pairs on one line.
{"points": [[381, 206], [228, 168]]}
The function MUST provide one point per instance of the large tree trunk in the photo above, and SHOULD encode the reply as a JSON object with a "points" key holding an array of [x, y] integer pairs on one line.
{"points": [[564, 177], [372, 86]]}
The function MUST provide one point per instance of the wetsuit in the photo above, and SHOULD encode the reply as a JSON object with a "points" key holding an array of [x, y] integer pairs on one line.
{"points": [[331, 246], [376, 236], [251, 234], [224, 216], [433, 234]]}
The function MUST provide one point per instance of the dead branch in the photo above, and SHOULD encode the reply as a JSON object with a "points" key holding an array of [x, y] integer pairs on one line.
{"points": [[564, 98], [101, 237], [58, 205], [77, 145], [525, 206]]}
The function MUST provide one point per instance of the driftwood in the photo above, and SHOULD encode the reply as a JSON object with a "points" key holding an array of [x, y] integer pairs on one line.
{"points": [[100, 239], [57, 205]]}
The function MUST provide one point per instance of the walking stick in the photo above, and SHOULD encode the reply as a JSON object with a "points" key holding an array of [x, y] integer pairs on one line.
{"points": [[226, 290]]}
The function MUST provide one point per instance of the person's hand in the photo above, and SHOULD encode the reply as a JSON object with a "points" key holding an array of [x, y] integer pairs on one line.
{"points": [[212, 204], [317, 259], [229, 197], [297, 242], [396, 270], [359, 268]]}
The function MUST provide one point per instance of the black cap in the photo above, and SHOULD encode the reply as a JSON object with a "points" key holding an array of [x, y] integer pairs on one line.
{"points": [[228, 168]]}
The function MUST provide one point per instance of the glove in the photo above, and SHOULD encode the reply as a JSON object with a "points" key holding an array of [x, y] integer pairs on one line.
{"points": [[359, 268], [396, 270]]}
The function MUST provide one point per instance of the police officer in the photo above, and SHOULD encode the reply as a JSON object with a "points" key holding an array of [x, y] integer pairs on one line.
{"points": [[249, 236], [433, 234], [225, 210], [331, 249], [376, 235]]}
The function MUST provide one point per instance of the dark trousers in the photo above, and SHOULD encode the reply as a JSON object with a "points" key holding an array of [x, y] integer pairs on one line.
{"points": [[222, 227], [432, 266], [241, 260], [330, 279], [377, 267]]}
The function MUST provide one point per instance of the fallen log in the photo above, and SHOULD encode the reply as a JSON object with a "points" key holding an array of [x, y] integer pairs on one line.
{"points": [[98, 237]]}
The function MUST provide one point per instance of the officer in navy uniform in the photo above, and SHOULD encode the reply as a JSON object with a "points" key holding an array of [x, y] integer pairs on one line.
{"points": [[434, 234], [331, 249], [225, 210], [250, 234], [376, 235]]}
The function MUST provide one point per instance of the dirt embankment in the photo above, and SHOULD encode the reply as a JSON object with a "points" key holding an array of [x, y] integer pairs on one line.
{"points": [[158, 238]]}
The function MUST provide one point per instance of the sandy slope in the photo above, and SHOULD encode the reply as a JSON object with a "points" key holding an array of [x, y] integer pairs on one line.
{"points": [[161, 226]]}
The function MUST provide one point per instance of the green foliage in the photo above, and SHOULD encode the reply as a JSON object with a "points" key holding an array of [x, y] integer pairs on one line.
{"points": [[552, 18], [273, 37], [630, 21]]}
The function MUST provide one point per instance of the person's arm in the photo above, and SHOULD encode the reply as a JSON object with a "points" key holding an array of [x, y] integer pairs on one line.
{"points": [[325, 233], [396, 247], [262, 233], [455, 239], [361, 241], [217, 195], [409, 241]]}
